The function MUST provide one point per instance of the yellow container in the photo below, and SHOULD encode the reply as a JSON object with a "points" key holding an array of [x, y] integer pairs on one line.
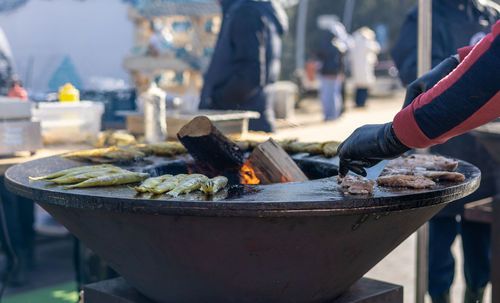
{"points": [[68, 93]]}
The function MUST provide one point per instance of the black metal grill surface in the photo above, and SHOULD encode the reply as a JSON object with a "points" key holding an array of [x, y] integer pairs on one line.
{"points": [[316, 197]]}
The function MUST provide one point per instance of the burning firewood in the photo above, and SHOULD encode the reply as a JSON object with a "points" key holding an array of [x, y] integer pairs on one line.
{"points": [[273, 165], [209, 146]]}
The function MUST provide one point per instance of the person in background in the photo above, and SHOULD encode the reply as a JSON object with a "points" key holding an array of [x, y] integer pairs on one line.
{"points": [[246, 60], [330, 52], [363, 57], [6, 65], [456, 23], [19, 214], [17, 91]]}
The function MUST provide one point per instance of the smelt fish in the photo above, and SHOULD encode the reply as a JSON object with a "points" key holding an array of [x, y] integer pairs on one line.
{"points": [[214, 185], [312, 148], [151, 183], [144, 148], [97, 152], [79, 177], [123, 154], [190, 183], [79, 169], [113, 179], [168, 184], [167, 148], [330, 149], [104, 155]]}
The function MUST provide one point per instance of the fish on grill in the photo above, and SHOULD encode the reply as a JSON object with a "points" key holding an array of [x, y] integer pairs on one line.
{"points": [[112, 179], [80, 177], [106, 155], [330, 149], [429, 162], [356, 185], [190, 183], [168, 184], [79, 169], [150, 183], [416, 182], [292, 146], [418, 171], [212, 186], [167, 149], [431, 174]]}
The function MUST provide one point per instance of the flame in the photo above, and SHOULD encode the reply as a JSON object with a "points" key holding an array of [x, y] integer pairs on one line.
{"points": [[248, 174], [284, 179]]}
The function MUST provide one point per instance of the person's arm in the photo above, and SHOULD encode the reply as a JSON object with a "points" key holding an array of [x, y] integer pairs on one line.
{"points": [[467, 98], [248, 39]]}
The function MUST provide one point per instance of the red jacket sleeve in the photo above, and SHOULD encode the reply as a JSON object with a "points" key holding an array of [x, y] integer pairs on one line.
{"points": [[463, 52], [465, 99]]}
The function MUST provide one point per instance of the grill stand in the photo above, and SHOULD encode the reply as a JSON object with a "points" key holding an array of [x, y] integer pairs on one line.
{"points": [[364, 291], [489, 135]]}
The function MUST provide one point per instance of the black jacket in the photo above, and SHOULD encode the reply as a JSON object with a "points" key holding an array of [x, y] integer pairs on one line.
{"points": [[331, 57], [456, 23], [6, 72], [246, 59]]}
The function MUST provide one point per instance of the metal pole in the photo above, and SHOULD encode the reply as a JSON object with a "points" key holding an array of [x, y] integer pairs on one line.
{"points": [[301, 34], [495, 251], [424, 65], [348, 11], [424, 36], [495, 243]]}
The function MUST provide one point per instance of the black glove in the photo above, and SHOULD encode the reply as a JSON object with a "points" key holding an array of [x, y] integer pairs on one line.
{"points": [[427, 81], [367, 146]]}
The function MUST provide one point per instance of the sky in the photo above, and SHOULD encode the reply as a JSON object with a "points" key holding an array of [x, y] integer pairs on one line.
{"points": [[96, 34]]}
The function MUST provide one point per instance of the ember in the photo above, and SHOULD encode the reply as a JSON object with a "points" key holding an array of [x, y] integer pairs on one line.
{"points": [[248, 174]]}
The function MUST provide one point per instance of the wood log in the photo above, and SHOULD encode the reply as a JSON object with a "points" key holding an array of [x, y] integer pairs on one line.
{"points": [[209, 147], [272, 164]]}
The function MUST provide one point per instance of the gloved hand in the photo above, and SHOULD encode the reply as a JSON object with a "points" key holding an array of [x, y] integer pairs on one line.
{"points": [[428, 80], [367, 146]]}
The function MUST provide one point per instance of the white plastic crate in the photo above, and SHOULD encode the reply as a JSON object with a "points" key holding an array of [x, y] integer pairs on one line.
{"points": [[283, 95], [14, 109], [69, 122]]}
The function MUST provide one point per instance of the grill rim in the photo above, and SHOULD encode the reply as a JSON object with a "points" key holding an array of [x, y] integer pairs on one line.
{"points": [[239, 207]]}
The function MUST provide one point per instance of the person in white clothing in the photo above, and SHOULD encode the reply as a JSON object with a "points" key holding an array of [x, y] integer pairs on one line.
{"points": [[363, 57]]}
